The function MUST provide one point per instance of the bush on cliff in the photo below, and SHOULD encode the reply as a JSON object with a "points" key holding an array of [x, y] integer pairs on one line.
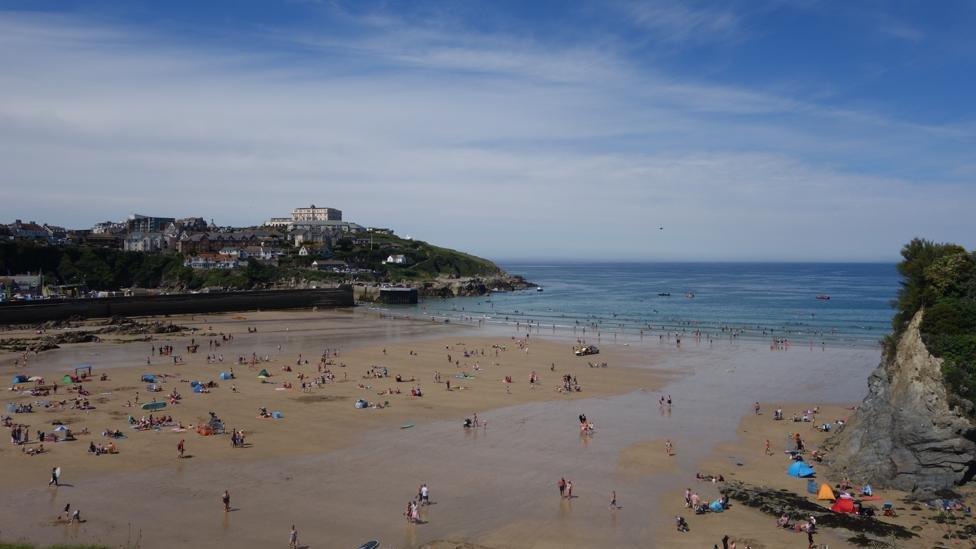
{"points": [[941, 278]]}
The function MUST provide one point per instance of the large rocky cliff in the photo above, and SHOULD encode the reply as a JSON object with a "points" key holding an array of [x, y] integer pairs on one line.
{"points": [[905, 435]]}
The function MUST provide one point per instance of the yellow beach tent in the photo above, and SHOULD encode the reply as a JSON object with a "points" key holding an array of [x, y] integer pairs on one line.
{"points": [[825, 493]]}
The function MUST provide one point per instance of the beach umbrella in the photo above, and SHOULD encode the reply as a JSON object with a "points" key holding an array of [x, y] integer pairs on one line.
{"points": [[35, 378]]}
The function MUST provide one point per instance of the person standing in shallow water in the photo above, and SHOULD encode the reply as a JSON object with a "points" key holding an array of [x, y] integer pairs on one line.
{"points": [[293, 538], [226, 500]]}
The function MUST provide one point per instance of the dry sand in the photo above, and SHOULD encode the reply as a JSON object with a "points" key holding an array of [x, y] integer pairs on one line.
{"points": [[315, 423], [344, 475]]}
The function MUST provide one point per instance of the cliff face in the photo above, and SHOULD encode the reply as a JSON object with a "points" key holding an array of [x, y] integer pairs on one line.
{"points": [[904, 435]]}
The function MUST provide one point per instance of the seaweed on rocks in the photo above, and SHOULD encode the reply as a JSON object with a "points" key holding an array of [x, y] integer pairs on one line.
{"points": [[775, 502]]}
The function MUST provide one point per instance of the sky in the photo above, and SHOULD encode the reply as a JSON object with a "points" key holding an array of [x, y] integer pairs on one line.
{"points": [[753, 130]]}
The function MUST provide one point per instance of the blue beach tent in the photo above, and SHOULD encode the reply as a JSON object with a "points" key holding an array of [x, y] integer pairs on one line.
{"points": [[812, 486], [800, 469], [716, 506], [225, 375], [198, 388], [149, 378], [20, 379]]}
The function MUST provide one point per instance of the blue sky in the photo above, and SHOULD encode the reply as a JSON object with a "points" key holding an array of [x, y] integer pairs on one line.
{"points": [[752, 130]]}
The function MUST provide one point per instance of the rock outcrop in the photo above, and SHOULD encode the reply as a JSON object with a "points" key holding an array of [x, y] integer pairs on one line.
{"points": [[471, 286], [905, 435]]}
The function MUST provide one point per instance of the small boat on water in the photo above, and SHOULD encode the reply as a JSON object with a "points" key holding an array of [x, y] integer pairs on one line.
{"points": [[538, 288], [690, 295], [664, 294], [823, 297]]}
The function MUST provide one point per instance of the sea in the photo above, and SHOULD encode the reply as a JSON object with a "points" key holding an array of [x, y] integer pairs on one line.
{"points": [[755, 301]]}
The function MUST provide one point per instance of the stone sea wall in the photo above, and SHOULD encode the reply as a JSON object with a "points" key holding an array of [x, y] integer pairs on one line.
{"points": [[43, 311]]}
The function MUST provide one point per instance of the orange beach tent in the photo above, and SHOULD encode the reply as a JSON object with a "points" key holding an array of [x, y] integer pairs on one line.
{"points": [[825, 493]]}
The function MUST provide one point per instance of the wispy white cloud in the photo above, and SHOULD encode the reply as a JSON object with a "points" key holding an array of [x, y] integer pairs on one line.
{"points": [[684, 22], [497, 145]]}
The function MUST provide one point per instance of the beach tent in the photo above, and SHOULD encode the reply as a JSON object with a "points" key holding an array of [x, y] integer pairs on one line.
{"points": [[225, 375], [194, 383], [198, 388], [67, 379], [716, 506], [811, 486], [61, 428], [264, 373], [277, 415], [20, 379], [36, 378], [800, 469], [843, 505], [149, 378], [867, 490], [825, 493], [11, 408]]}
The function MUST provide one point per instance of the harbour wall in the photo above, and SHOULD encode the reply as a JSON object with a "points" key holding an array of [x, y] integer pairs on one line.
{"points": [[172, 304]]}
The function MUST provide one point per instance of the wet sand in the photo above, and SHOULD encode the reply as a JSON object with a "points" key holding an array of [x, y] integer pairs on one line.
{"points": [[344, 475]]}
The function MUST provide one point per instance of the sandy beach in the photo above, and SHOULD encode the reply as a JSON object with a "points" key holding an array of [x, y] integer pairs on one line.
{"points": [[344, 475]]}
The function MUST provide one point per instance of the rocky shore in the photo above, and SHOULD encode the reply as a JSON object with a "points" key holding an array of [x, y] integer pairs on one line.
{"points": [[81, 332], [906, 435]]}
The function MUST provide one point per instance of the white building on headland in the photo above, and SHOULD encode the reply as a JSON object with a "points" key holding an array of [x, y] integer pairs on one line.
{"points": [[312, 213]]}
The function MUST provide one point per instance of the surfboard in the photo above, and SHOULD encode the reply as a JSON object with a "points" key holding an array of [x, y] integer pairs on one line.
{"points": [[372, 544], [406, 425], [154, 406], [57, 473]]}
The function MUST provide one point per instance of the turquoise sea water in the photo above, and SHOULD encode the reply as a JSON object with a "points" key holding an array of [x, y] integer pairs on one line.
{"points": [[758, 300]]}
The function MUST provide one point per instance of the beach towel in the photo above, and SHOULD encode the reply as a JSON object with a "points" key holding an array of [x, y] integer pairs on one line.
{"points": [[825, 493]]}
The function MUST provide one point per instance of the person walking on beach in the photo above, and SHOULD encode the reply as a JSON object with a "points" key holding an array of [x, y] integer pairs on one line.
{"points": [[668, 447], [769, 451], [424, 494], [181, 447], [613, 500], [55, 476], [562, 487], [293, 538], [226, 500], [569, 489], [756, 407], [414, 513]]}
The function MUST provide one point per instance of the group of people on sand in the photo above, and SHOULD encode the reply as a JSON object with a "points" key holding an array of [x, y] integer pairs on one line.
{"points": [[99, 449], [412, 512]]}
